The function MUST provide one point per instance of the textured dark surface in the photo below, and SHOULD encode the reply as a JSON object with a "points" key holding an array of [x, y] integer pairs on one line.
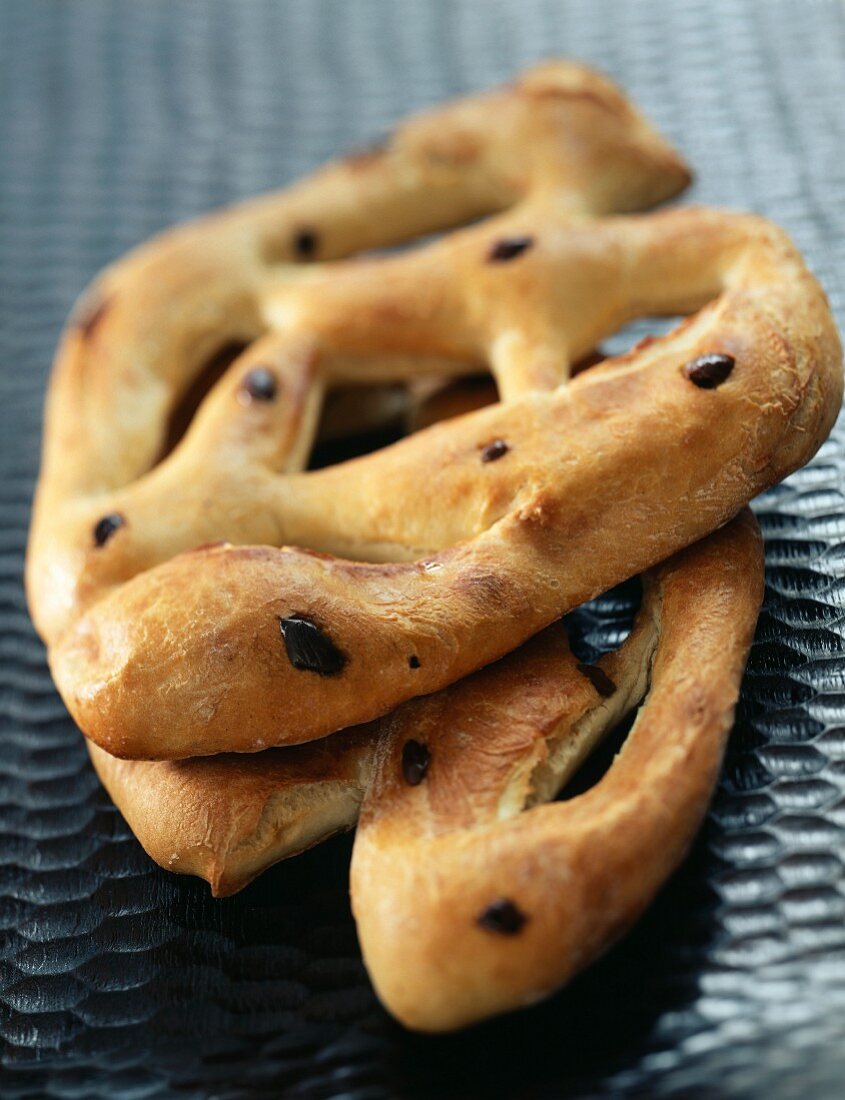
{"points": [[119, 981]]}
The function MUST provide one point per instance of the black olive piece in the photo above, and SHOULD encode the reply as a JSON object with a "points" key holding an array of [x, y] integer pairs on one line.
{"points": [[260, 384], [309, 649], [495, 450], [599, 679], [305, 243], [502, 917], [106, 527], [508, 248], [709, 371]]}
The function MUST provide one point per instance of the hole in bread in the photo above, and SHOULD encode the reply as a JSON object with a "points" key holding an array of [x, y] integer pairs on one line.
{"points": [[434, 400], [596, 628], [598, 762], [563, 755], [636, 332], [186, 407], [357, 420], [603, 624]]}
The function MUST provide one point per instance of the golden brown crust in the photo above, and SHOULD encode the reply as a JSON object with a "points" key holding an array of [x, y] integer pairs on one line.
{"points": [[143, 332], [591, 474], [468, 538], [228, 818], [138, 341], [519, 512], [500, 740], [430, 859], [466, 906]]}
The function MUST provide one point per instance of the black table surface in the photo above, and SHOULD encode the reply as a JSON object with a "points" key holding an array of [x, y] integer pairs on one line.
{"points": [[117, 980]]}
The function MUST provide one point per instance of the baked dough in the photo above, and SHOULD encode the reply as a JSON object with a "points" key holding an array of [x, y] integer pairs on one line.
{"points": [[561, 135], [466, 906], [227, 818], [108, 507], [533, 717], [468, 537], [511, 516], [441, 554]]}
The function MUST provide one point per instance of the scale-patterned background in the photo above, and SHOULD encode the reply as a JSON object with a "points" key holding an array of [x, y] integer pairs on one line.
{"points": [[117, 980]]}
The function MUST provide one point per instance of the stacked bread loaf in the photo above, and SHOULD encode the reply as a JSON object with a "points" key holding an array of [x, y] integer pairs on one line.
{"points": [[261, 654]]}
